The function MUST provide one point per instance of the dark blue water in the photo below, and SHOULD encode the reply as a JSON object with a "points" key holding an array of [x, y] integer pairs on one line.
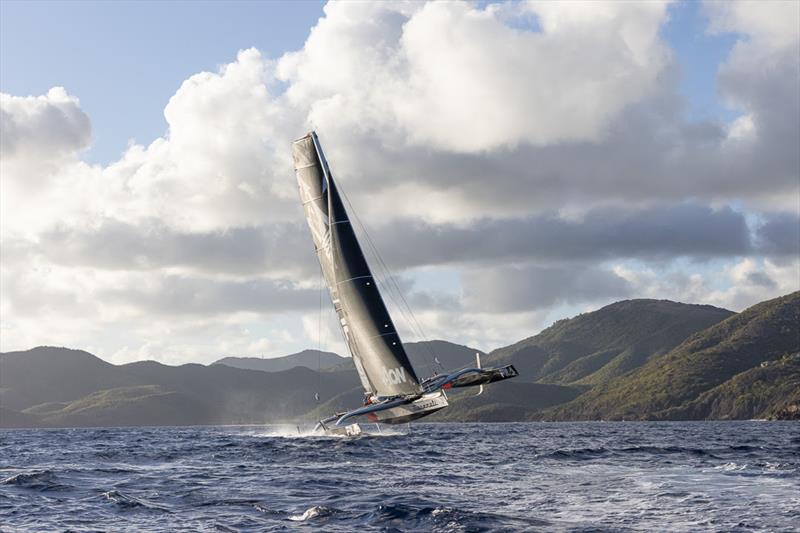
{"points": [[725, 476]]}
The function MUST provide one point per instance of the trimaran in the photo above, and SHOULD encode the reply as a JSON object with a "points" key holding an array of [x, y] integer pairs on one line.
{"points": [[393, 391]]}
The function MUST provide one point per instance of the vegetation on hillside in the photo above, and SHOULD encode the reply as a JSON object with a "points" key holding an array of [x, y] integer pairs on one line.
{"points": [[594, 348], [764, 333], [637, 359]]}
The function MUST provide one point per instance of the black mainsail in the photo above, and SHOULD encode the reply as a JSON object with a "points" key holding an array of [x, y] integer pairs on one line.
{"points": [[378, 353], [394, 393]]}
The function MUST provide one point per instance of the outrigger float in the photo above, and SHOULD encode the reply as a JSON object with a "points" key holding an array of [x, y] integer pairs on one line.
{"points": [[393, 393]]}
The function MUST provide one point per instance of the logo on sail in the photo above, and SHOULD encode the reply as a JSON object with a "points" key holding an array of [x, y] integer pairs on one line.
{"points": [[394, 376]]}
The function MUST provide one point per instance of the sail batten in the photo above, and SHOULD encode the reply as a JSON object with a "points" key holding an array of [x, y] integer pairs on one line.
{"points": [[378, 353]]}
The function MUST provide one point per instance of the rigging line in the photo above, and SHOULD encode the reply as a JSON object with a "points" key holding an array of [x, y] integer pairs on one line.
{"points": [[405, 308], [319, 333], [413, 322], [381, 263]]}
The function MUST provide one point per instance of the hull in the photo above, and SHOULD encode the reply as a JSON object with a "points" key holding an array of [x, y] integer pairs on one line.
{"points": [[426, 405]]}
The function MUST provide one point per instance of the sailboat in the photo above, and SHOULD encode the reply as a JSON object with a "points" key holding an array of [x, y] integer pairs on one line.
{"points": [[393, 391]]}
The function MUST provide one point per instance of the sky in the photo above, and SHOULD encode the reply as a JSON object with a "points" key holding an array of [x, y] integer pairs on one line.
{"points": [[514, 163]]}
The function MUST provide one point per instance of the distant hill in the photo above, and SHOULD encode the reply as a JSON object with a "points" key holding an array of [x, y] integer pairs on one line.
{"points": [[742, 367], [50, 374], [636, 359], [597, 347], [506, 402], [62, 387], [451, 356], [424, 354], [313, 359]]}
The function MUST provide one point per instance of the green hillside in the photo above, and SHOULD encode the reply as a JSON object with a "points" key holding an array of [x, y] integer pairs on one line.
{"points": [[594, 348], [636, 359], [503, 402], [764, 333], [128, 406], [760, 392], [61, 387]]}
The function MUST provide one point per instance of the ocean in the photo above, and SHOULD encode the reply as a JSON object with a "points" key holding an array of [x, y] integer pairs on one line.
{"points": [[589, 476]]}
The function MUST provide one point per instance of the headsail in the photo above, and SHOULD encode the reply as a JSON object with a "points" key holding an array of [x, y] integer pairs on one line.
{"points": [[378, 353]]}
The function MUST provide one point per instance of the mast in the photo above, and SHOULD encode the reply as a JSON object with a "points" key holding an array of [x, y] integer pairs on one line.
{"points": [[378, 353]]}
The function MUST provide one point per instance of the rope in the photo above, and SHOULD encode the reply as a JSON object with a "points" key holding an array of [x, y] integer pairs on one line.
{"points": [[319, 334]]}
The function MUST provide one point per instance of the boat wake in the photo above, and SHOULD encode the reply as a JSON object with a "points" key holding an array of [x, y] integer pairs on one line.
{"points": [[288, 431]]}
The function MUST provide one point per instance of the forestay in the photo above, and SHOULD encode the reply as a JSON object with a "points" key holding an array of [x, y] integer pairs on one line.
{"points": [[378, 353]]}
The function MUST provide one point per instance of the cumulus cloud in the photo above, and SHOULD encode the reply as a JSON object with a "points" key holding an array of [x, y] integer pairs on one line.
{"points": [[538, 149], [49, 126], [734, 286]]}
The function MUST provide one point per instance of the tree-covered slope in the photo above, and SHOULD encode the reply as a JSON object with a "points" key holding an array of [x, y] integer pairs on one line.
{"points": [[502, 402], [596, 347], [764, 333], [760, 392]]}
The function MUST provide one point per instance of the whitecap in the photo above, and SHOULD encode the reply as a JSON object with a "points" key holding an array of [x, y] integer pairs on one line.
{"points": [[310, 513]]}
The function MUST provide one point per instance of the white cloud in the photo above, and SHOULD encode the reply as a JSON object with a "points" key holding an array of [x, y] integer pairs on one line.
{"points": [[735, 286], [463, 135], [449, 76], [770, 23], [42, 129]]}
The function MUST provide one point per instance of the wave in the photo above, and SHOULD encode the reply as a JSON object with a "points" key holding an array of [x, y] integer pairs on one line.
{"points": [[759, 469], [592, 453], [579, 453], [318, 511], [125, 501], [531, 477], [41, 480], [440, 518], [421, 518]]}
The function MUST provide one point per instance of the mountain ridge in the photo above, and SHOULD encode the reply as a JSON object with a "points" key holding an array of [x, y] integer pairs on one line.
{"points": [[573, 368], [762, 333]]}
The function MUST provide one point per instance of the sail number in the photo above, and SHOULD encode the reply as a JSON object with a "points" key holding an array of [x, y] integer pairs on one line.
{"points": [[394, 376]]}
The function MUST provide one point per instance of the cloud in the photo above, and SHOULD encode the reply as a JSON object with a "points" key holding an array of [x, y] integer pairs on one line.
{"points": [[40, 138], [779, 235], [542, 151], [177, 295], [450, 76], [771, 23], [761, 77], [49, 126], [513, 289], [734, 286], [275, 250], [661, 233]]}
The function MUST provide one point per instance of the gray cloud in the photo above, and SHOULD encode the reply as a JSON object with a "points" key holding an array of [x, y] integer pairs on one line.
{"points": [[531, 287], [48, 125], [114, 245], [178, 295], [650, 156], [284, 250], [779, 235], [661, 233]]}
